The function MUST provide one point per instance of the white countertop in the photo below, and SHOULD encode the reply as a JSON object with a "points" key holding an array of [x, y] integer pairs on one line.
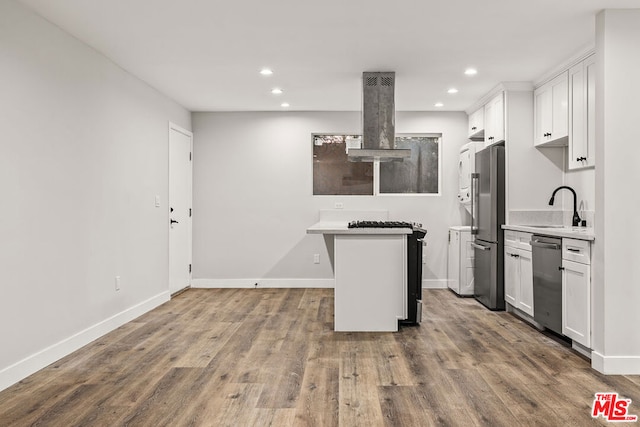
{"points": [[341, 227], [581, 233]]}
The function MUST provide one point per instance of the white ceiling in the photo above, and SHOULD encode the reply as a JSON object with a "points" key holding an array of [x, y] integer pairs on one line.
{"points": [[206, 54]]}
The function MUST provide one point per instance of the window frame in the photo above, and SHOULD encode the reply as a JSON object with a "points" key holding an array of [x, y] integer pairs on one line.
{"points": [[376, 167]]}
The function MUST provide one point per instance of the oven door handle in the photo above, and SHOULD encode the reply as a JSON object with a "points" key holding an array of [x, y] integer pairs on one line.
{"points": [[482, 248]]}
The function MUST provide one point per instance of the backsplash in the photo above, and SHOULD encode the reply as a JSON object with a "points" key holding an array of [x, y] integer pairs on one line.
{"points": [[548, 217]]}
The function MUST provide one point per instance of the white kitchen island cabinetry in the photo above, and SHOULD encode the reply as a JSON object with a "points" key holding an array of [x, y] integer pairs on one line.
{"points": [[370, 271]]}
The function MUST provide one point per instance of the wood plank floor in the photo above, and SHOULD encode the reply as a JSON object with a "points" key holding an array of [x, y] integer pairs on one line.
{"points": [[260, 357]]}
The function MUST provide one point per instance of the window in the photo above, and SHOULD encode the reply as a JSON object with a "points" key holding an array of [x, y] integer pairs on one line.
{"points": [[334, 174], [418, 174]]}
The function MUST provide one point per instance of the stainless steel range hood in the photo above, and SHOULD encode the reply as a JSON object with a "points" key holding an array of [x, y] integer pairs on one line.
{"points": [[378, 120]]}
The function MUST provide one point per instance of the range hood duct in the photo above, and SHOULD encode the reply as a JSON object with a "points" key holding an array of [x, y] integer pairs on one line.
{"points": [[378, 120]]}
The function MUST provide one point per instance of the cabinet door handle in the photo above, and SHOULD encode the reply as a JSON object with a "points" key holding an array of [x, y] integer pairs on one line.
{"points": [[579, 159], [474, 128], [514, 255], [490, 138], [560, 268]]}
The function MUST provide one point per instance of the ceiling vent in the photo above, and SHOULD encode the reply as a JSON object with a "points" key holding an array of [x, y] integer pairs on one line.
{"points": [[378, 120]]}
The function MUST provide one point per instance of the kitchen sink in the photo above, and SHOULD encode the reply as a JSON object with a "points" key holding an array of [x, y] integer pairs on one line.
{"points": [[543, 226]]}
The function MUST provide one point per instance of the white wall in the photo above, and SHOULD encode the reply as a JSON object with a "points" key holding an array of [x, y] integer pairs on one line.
{"points": [[83, 153], [615, 267], [584, 182], [253, 196]]}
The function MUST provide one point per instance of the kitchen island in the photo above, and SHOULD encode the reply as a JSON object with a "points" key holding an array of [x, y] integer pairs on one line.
{"points": [[370, 271]]}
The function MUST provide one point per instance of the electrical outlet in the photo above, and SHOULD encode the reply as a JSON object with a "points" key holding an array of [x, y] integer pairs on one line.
{"points": [[117, 283], [339, 205], [316, 258]]}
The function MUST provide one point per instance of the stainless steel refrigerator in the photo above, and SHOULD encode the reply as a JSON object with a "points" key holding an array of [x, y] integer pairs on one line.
{"points": [[487, 218]]}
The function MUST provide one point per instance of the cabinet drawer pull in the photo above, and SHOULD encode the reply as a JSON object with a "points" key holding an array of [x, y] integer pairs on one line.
{"points": [[573, 250], [560, 268], [474, 128]]}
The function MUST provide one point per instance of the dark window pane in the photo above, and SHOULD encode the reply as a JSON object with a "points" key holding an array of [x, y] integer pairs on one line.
{"points": [[417, 174], [333, 173]]}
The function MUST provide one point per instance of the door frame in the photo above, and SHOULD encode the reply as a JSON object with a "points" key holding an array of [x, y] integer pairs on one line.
{"points": [[185, 132]]}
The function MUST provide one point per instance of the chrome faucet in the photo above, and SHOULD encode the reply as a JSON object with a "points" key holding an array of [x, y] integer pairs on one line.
{"points": [[576, 218]]}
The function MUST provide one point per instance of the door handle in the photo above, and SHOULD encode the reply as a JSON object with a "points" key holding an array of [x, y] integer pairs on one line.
{"points": [[545, 245], [474, 202], [482, 248], [173, 221]]}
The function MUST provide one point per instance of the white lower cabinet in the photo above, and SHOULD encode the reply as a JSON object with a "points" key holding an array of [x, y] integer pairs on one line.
{"points": [[460, 261], [525, 302], [511, 276], [518, 273], [576, 295]]}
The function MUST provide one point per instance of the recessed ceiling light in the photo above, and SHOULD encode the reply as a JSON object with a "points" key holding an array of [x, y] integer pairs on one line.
{"points": [[471, 71], [276, 91], [438, 104], [452, 90], [285, 105], [266, 72]]}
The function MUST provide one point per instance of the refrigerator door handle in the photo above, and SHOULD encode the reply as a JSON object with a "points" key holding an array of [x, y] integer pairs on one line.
{"points": [[474, 202], [482, 248]]}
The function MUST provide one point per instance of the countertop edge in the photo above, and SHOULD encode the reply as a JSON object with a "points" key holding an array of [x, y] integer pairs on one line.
{"points": [[580, 233], [341, 228]]}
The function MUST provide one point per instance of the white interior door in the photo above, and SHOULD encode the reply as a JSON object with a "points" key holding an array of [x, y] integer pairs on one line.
{"points": [[179, 221]]}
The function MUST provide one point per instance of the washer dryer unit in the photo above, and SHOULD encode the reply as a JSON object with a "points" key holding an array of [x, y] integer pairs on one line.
{"points": [[467, 166]]}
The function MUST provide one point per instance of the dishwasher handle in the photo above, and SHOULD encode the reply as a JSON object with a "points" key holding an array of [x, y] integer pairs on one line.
{"points": [[539, 244], [482, 248]]}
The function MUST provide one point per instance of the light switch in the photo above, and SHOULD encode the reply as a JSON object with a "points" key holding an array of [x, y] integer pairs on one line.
{"points": [[157, 201]]}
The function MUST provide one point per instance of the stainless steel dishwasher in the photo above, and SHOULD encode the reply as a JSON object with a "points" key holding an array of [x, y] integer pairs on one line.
{"points": [[546, 257]]}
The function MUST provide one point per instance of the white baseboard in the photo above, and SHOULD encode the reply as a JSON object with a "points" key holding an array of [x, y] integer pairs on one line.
{"points": [[27, 366], [288, 283], [434, 284], [615, 365], [262, 283]]}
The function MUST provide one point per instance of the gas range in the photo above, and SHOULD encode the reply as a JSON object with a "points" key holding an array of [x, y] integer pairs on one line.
{"points": [[386, 224]]}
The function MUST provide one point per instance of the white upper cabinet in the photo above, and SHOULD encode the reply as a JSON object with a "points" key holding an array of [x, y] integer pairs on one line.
{"points": [[476, 125], [582, 105], [494, 120], [552, 112]]}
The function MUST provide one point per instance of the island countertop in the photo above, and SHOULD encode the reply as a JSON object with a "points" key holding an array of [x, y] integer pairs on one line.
{"points": [[341, 227]]}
